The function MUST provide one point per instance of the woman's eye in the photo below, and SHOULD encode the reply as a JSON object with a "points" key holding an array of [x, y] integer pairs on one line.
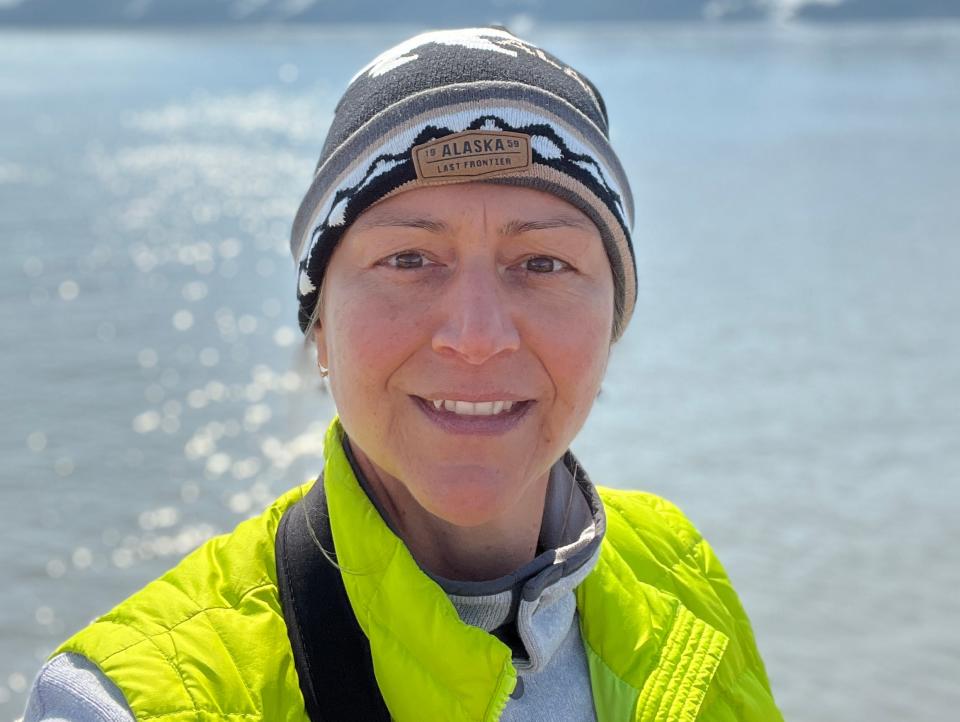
{"points": [[407, 259], [544, 264]]}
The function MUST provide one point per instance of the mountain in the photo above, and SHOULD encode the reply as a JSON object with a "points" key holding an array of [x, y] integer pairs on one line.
{"points": [[146, 13]]}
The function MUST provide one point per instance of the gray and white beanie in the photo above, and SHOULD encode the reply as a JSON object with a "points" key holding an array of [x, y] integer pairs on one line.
{"points": [[455, 106]]}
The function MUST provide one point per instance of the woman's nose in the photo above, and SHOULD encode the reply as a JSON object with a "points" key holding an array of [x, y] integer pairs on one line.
{"points": [[477, 324]]}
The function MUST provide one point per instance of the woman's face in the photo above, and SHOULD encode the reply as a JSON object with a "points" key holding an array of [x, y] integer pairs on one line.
{"points": [[494, 303]]}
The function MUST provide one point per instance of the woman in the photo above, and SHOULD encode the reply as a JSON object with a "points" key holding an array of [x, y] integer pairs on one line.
{"points": [[465, 266]]}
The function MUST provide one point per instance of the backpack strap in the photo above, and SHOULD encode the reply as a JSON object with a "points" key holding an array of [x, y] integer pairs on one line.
{"points": [[330, 651]]}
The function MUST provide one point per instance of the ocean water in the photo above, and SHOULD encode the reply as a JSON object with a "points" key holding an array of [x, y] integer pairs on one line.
{"points": [[791, 377]]}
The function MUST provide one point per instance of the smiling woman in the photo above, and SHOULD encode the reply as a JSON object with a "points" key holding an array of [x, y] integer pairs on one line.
{"points": [[461, 304], [465, 266]]}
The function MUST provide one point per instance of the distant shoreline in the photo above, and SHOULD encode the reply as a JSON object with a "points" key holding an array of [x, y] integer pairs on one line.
{"points": [[949, 25], [207, 14]]}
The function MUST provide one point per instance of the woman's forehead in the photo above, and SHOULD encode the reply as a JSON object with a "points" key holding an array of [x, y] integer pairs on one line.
{"points": [[515, 209]]}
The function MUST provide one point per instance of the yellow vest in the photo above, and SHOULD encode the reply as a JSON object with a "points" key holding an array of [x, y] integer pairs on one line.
{"points": [[665, 636]]}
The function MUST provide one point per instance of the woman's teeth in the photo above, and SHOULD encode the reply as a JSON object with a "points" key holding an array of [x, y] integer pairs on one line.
{"points": [[468, 408]]}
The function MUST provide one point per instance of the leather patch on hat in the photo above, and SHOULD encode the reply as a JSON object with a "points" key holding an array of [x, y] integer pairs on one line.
{"points": [[472, 153]]}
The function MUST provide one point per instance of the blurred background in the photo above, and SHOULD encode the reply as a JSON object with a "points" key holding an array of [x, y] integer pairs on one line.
{"points": [[791, 377]]}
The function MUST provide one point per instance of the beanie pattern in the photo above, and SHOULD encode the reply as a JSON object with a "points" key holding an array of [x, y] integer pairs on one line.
{"points": [[459, 106]]}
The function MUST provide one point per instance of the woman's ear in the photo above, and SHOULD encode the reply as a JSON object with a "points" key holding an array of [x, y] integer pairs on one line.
{"points": [[320, 339], [606, 362]]}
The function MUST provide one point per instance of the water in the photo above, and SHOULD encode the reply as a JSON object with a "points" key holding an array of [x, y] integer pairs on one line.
{"points": [[791, 377]]}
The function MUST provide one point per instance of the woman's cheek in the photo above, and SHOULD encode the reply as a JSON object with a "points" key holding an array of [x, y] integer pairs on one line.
{"points": [[577, 336], [366, 321]]}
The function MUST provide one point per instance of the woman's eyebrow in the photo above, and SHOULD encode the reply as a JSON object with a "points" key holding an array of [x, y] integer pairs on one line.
{"points": [[427, 224], [516, 227]]}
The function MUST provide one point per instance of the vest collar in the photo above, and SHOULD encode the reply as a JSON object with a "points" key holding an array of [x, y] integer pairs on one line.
{"points": [[417, 639]]}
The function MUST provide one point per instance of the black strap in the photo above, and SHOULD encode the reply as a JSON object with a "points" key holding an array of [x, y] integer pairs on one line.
{"points": [[331, 652]]}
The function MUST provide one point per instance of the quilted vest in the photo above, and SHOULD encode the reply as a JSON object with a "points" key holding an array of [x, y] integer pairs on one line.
{"points": [[665, 635]]}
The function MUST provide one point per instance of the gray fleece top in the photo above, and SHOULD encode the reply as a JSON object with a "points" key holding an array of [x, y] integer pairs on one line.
{"points": [[533, 610]]}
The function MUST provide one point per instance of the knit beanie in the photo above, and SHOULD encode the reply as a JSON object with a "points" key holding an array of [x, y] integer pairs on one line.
{"points": [[467, 105]]}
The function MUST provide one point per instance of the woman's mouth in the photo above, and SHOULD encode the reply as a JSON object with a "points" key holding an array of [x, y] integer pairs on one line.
{"points": [[474, 417], [471, 408]]}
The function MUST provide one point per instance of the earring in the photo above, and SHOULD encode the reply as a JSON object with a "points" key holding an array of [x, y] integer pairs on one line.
{"points": [[323, 372]]}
